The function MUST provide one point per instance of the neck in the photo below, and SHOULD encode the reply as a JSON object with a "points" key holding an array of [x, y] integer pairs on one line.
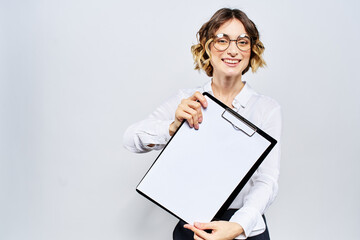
{"points": [[226, 89]]}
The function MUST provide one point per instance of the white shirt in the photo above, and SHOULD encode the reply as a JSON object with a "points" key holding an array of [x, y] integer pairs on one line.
{"points": [[261, 190]]}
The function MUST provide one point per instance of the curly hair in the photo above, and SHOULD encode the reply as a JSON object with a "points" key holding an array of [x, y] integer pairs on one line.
{"points": [[201, 51]]}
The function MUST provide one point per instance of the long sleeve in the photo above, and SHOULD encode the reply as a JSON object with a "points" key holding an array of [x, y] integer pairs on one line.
{"points": [[261, 190], [154, 130], [264, 183]]}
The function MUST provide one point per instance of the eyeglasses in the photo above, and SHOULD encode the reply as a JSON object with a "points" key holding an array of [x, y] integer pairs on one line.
{"points": [[222, 42]]}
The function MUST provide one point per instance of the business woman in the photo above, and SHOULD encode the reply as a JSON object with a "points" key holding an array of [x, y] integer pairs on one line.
{"points": [[229, 45]]}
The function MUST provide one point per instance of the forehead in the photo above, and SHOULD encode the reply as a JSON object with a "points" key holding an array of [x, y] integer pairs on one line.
{"points": [[233, 28]]}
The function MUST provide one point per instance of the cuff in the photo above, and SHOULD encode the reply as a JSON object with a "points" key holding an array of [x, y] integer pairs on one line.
{"points": [[250, 220], [162, 129], [159, 136]]}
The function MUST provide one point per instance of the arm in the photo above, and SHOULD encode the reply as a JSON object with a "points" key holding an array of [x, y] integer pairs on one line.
{"points": [[152, 132], [264, 183], [155, 131], [220, 230]]}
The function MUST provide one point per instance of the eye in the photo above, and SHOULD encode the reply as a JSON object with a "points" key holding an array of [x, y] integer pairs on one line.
{"points": [[222, 41], [243, 42]]}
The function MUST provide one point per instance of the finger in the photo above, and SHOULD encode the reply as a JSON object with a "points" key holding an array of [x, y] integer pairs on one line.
{"points": [[187, 226], [197, 107], [196, 237], [206, 226], [193, 113], [197, 96], [198, 232], [201, 98], [182, 115]]}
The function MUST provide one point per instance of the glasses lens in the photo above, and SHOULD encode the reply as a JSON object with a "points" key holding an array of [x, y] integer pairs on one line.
{"points": [[243, 43], [221, 43]]}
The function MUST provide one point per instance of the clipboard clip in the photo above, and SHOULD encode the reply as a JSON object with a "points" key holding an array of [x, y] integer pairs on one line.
{"points": [[238, 123]]}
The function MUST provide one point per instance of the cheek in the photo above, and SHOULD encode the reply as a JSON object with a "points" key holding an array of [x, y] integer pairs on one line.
{"points": [[215, 55], [246, 57], [215, 58]]}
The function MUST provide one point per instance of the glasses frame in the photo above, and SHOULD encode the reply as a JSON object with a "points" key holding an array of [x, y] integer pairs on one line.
{"points": [[221, 35]]}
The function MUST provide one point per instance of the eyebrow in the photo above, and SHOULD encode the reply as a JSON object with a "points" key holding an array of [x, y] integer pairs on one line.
{"points": [[241, 35]]}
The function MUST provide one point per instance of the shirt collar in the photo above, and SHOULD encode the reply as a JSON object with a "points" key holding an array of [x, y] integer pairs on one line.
{"points": [[207, 87], [241, 99]]}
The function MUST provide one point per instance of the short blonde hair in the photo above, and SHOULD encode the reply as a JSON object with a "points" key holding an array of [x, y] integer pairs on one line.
{"points": [[201, 51]]}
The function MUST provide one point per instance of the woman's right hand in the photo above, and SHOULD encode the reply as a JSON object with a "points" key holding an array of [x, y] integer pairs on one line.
{"points": [[190, 110]]}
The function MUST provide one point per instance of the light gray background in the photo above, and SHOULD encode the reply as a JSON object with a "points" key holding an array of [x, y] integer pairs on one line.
{"points": [[75, 73]]}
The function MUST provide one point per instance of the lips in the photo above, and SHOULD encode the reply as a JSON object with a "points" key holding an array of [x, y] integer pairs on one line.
{"points": [[231, 62]]}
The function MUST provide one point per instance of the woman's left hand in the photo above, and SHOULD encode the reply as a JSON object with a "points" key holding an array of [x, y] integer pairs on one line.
{"points": [[221, 230]]}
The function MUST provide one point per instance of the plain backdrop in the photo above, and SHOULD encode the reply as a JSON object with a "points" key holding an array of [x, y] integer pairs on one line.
{"points": [[75, 74]]}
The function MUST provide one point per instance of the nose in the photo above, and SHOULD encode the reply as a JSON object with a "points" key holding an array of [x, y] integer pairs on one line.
{"points": [[232, 49]]}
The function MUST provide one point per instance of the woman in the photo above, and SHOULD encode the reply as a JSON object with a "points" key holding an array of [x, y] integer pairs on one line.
{"points": [[228, 46]]}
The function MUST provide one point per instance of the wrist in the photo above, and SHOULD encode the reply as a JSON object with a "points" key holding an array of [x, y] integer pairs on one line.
{"points": [[172, 128], [239, 229]]}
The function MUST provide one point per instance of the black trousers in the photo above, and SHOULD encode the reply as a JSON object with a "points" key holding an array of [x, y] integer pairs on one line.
{"points": [[181, 233]]}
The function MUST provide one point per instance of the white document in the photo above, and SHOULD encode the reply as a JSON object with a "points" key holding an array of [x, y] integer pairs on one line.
{"points": [[198, 170]]}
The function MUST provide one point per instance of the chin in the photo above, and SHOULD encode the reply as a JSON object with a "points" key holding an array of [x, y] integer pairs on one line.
{"points": [[232, 74], [229, 72]]}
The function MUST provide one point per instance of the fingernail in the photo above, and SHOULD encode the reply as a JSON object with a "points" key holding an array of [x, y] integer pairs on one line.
{"points": [[196, 126], [200, 119]]}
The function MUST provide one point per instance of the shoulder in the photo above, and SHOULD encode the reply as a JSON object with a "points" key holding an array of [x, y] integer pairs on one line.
{"points": [[264, 108], [250, 98], [266, 101]]}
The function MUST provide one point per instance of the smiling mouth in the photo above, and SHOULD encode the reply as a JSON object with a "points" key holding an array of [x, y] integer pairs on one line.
{"points": [[231, 61]]}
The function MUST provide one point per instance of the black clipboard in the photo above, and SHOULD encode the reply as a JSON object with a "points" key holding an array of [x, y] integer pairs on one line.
{"points": [[199, 173]]}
